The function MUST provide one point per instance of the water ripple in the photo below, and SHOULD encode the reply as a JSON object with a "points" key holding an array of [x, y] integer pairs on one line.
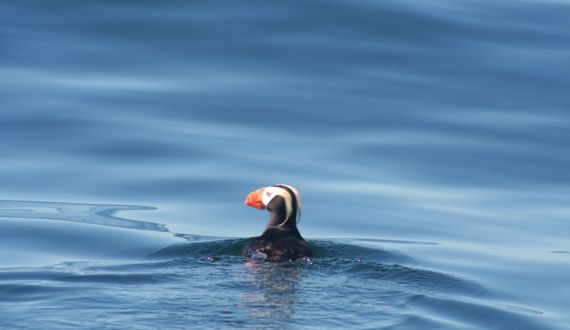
{"points": [[96, 214]]}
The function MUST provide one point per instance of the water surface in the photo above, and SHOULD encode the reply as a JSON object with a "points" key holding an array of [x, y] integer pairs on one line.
{"points": [[429, 142]]}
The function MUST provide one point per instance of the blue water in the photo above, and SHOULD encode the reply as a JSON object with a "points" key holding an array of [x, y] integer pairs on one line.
{"points": [[429, 141]]}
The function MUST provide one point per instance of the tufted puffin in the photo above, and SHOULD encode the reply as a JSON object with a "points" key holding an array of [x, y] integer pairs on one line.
{"points": [[281, 240]]}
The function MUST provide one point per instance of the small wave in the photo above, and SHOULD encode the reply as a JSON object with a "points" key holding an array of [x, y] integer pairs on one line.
{"points": [[415, 279], [22, 280], [18, 292], [483, 314], [343, 283], [209, 247], [370, 264], [395, 241], [345, 251], [96, 214], [229, 247], [124, 279]]}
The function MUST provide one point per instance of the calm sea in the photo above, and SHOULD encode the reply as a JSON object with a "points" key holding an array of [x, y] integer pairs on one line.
{"points": [[429, 141]]}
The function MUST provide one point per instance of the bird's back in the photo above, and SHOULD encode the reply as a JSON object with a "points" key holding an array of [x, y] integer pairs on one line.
{"points": [[276, 244]]}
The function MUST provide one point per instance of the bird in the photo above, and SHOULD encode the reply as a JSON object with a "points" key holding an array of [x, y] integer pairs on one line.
{"points": [[281, 239]]}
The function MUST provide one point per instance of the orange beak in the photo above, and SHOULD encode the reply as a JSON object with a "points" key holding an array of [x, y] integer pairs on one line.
{"points": [[254, 199]]}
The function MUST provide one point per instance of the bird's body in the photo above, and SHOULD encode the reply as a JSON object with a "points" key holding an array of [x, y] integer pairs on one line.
{"points": [[281, 240], [277, 245]]}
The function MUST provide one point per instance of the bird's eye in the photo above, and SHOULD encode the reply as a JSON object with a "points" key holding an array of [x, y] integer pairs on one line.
{"points": [[268, 194]]}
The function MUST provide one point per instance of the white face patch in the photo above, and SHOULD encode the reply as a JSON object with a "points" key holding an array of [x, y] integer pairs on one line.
{"points": [[269, 193]]}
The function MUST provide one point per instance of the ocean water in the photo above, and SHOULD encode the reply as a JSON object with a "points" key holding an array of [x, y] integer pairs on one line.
{"points": [[429, 141]]}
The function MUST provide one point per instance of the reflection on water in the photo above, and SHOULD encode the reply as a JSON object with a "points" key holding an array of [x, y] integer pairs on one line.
{"points": [[43, 233], [96, 214], [273, 290]]}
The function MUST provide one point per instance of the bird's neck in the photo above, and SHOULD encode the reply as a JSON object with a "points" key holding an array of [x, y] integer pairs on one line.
{"points": [[277, 220], [278, 216]]}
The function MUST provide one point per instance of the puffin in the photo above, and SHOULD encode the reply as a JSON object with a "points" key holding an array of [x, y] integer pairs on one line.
{"points": [[281, 239]]}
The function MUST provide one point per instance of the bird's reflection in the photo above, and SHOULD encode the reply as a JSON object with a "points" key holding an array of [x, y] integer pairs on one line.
{"points": [[273, 289]]}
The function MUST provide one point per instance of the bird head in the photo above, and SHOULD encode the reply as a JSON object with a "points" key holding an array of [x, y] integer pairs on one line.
{"points": [[283, 201]]}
